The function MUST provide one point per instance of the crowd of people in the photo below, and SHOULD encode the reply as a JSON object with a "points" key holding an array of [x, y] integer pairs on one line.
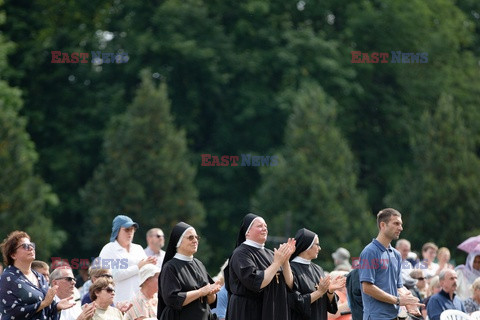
{"points": [[255, 283]]}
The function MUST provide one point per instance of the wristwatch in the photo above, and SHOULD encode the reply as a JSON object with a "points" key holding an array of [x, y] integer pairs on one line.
{"points": [[398, 301]]}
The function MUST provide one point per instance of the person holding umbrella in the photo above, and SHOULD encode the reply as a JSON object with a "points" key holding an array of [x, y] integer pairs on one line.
{"points": [[468, 272]]}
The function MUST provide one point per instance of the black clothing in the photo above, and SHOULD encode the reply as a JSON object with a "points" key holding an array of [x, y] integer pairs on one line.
{"points": [[305, 278]]}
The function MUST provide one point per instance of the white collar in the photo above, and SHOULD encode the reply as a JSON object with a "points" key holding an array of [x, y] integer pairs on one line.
{"points": [[254, 244], [182, 257], [301, 260]]}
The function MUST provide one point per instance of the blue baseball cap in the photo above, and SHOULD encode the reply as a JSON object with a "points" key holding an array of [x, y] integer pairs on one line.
{"points": [[121, 221]]}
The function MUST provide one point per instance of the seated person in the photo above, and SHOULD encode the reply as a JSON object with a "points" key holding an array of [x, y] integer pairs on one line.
{"points": [[145, 301], [446, 299], [102, 292], [472, 304]]}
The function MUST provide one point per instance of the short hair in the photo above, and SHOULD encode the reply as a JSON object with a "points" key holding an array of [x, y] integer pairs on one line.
{"points": [[10, 244], [402, 241], [152, 231], [38, 264], [417, 273], [476, 284], [442, 250], [97, 286], [336, 273], [441, 275], [429, 245], [385, 214], [434, 282], [57, 273], [93, 272]]}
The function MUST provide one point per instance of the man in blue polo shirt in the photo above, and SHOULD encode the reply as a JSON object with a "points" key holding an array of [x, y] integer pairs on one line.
{"points": [[446, 298], [380, 272]]}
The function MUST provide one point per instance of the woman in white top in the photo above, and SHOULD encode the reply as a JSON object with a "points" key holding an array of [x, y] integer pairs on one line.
{"points": [[429, 252], [123, 258]]}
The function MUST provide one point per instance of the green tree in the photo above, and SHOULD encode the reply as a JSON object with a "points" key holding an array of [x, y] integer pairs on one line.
{"points": [[381, 120], [24, 196], [66, 105], [440, 191], [146, 173], [314, 185]]}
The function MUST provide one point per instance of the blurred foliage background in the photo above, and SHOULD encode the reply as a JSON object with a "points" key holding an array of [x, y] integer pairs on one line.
{"points": [[80, 143]]}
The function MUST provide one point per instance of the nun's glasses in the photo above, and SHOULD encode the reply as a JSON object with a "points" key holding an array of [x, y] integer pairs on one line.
{"points": [[191, 237]]}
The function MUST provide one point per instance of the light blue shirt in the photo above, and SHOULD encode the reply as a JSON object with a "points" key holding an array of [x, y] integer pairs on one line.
{"points": [[222, 301]]}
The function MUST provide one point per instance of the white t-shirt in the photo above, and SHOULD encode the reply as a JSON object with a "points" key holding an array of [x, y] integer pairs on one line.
{"points": [[70, 313], [124, 267]]}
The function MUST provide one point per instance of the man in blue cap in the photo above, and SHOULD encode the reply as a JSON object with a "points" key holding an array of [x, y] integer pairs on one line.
{"points": [[124, 258]]}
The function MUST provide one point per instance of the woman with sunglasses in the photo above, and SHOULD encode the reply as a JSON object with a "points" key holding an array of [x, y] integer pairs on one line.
{"points": [[24, 293], [102, 293], [94, 274], [185, 289]]}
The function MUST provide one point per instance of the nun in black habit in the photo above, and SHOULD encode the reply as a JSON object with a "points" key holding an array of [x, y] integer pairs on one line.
{"points": [[185, 289], [256, 277], [313, 294]]}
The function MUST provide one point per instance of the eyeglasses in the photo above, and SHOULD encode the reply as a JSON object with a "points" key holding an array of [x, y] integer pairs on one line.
{"points": [[159, 236], [106, 276], [420, 278], [69, 279], [109, 290], [27, 246], [191, 237]]}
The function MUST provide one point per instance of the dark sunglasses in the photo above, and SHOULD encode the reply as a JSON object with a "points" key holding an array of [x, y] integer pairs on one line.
{"points": [[191, 237], [420, 278], [69, 279], [106, 276], [109, 290], [27, 246]]}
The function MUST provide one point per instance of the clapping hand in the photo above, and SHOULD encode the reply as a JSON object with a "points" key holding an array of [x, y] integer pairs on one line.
{"points": [[291, 247], [284, 251], [214, 288], [50, 295], [151, 259], [124, 306], [209, 289], [65, 303], [323, 285], [87, 312], [337, 283]]}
